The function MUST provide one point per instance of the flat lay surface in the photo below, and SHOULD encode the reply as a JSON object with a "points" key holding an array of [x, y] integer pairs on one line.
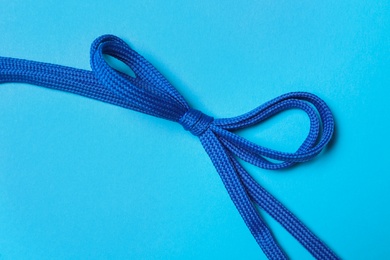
{"points": [[84, 179]]}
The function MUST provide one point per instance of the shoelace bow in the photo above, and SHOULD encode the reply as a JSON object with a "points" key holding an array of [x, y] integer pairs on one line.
{"points": [[149, 92]]}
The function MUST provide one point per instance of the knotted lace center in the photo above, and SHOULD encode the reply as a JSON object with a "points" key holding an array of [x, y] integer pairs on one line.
{"points": [[195, 121]]}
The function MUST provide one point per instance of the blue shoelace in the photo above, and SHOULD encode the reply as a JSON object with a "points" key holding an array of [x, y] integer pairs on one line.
{"points": [[150, 93]]}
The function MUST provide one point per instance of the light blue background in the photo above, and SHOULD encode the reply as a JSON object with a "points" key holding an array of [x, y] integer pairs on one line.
{"points": [[84, 179]]}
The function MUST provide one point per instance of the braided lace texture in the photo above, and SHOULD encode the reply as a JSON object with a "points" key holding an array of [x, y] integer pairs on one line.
{"points": [[149, 92]]}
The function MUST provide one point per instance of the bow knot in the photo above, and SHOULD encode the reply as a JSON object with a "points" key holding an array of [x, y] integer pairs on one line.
{"points": [[149, 92], [196, 122]]}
